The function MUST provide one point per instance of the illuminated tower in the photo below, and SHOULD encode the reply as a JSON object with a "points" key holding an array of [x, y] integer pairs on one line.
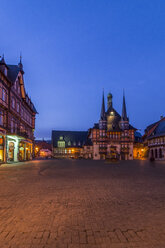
{"points": [[109, 101]]}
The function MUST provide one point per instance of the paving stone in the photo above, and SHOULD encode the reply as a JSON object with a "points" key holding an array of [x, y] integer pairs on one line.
{"points": [[82, 204]]}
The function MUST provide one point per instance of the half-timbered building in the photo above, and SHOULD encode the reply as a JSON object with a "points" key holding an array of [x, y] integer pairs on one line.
{"points": [[17, 115], [113, 136]]}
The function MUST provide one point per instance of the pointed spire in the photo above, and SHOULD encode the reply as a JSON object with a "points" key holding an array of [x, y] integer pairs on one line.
{"points": [[20, 65], [102, 116], [2, 62], [109, 101], [124, 111]]}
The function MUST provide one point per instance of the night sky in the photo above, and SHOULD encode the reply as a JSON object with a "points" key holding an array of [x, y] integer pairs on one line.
{"points": [[72, 49]]}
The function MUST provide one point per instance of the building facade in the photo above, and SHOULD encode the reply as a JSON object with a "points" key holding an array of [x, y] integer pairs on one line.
{"points": [[68, 144], [155, 140], [17, 115], [113, 136], [140, 150], [43, 148]]}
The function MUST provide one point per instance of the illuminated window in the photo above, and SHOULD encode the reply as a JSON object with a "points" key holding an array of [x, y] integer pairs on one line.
{"points": [[69, 143], [61, 144]]}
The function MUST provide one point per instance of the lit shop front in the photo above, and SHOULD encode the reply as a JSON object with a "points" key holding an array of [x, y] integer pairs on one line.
{"points": [[2, 149], [2, 146], [18, 149], [25, 150]]}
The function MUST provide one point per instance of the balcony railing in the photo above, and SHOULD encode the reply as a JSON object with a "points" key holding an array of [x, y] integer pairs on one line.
{"points": [[20, 133]]}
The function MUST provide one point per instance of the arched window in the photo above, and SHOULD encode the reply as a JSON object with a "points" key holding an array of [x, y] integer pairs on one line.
{"points": [[152, 153], [160, 153]]}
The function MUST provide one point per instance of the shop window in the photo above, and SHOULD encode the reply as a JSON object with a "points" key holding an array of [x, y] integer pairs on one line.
{"points": [[1, 155]]}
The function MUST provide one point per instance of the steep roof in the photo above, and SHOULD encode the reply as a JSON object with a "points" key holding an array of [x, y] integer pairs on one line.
{"points": [[157, 129], [103, 115], [76, 138], [114, 122], [124, 111], [12, 72]]}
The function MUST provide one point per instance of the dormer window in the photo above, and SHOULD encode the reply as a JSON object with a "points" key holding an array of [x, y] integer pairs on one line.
{"points": [[5, 71], [19, 90], [15, 85], [69, 143]]}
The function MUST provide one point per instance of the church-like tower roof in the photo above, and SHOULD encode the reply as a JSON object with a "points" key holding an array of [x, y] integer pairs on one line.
{"points": [[124, 111], [103, 115]]}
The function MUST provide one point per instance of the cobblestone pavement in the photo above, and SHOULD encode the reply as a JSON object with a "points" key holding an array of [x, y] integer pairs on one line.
{"points": [[82, 204]]}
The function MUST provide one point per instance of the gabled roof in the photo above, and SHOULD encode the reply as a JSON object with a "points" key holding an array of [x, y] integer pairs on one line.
{"points": [[156, 129], [12, 72], [115, 121], [75, 138], [115, 112]]}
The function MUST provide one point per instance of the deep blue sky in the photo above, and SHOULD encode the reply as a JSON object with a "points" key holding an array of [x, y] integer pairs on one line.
{"points": [[72, 49]]}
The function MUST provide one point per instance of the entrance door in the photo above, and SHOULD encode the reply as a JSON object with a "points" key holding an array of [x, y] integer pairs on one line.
{"points": [[122, 156], [11, 151]]}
